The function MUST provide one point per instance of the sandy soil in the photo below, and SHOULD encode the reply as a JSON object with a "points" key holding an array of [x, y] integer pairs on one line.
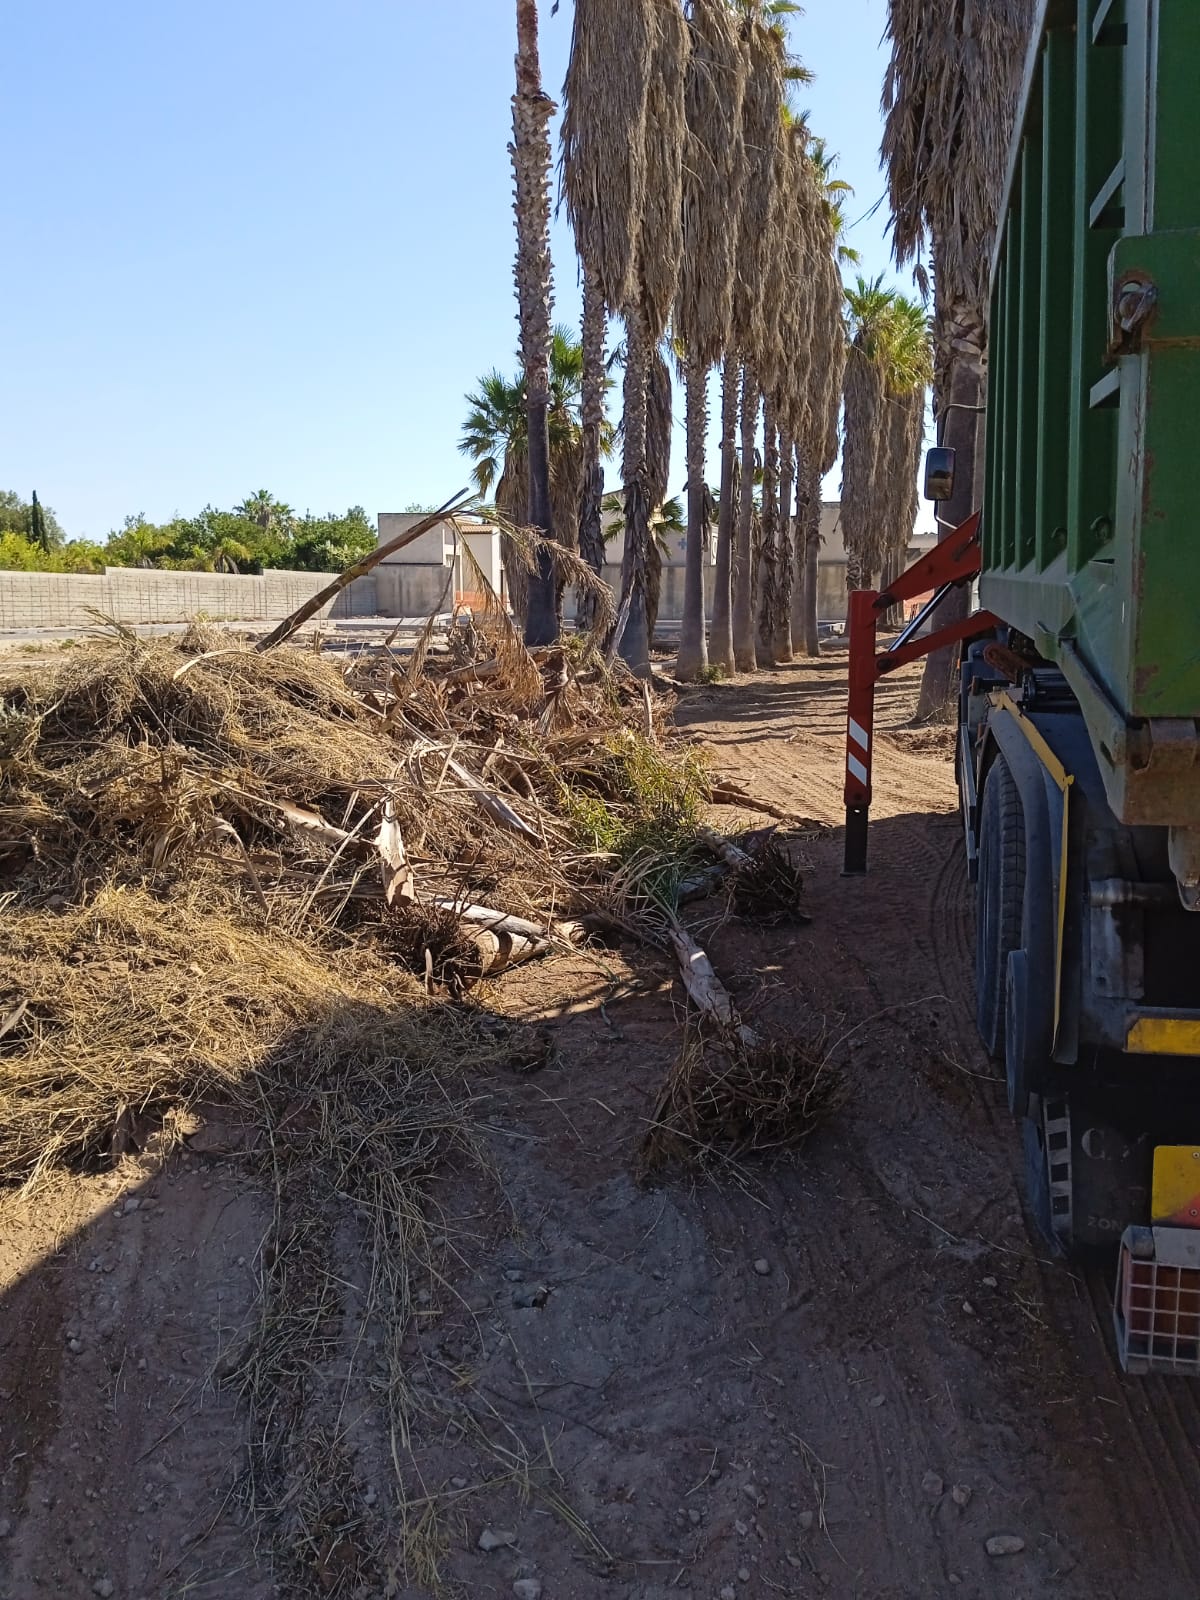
{"points": [[841, 1375]]}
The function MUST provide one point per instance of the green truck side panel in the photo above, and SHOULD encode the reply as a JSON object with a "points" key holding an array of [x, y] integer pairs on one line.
{"points": [[1092, 502]]}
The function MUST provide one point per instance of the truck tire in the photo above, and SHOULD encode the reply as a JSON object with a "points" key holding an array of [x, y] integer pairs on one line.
{"points": [[1000, 903]]}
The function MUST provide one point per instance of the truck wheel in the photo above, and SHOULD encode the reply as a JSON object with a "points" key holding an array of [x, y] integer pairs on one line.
{"points": [[1000, 903]]}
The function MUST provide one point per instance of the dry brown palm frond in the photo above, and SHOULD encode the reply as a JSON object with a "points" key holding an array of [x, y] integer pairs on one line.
{"points": [[713, 180], [763, 133], [864, 402], [660, 243], [950, 98], [604, 135], [570, 570]]}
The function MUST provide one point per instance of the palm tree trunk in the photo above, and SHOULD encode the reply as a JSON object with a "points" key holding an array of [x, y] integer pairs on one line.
{"points": [[810, 540], [693, 651], [960, 396], [720, 644], [744, 654], [532, 111], [769, 538], [635, 643], [785, 566], [591, 500]]}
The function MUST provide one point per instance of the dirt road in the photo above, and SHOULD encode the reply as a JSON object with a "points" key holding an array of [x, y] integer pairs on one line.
{"points": [[843, 1375]]}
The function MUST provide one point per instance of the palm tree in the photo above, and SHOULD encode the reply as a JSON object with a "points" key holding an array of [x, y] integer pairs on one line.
{"points": [[714, 177], [495, 437], [271, 515], [532, 110], [950, 98], [818, 447], [659, 253], [603, 150], [870, 308], [887, 376]]}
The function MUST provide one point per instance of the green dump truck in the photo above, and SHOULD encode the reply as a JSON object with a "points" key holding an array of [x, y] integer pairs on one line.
{"points": [[1079, 739]]}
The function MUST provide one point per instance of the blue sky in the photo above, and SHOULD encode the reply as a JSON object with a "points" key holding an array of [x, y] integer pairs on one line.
{"points": [[266, 244]]}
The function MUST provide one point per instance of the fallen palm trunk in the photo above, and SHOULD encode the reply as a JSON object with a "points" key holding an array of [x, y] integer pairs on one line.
{"points": [[302, 614], [729, 794], [705, 989], [735, 859], [502, 922]]}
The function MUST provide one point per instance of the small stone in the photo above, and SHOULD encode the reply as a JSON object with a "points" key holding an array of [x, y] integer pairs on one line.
{"points": [[141, 1364], [961, 1495], [103, 1587], [1005, 1544], [794, 1561], [514, 1276], [130, 1206], [933, 1486], [876, 1401], [728, 1592], [458, 1483], [806, 1520], [753, 1492], [763, 1267], [954, 1578], [370, 1497], [968, 1308], [74, 1346], [5, 1527], [528, 1588], [694, 1518], [990, 1283], [740, 1529], [743, 1574], [496, 1539], [531, 1299]]}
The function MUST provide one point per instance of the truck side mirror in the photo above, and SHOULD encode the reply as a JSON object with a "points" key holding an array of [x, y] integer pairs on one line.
{"points": [[939, 474]]}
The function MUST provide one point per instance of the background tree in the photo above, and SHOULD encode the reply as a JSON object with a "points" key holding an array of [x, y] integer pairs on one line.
{"points": [[887, 377], [763, 134], [495, 437], [658, 254], [950, 98], [603, 169], [16, 516], [817, 449], [714, 175], [532, 110], [869, 317], [270, 514]]}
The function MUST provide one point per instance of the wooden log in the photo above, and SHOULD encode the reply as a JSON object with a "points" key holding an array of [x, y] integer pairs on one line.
{"points": [[705, 989], [734, 858], [502, 922]]}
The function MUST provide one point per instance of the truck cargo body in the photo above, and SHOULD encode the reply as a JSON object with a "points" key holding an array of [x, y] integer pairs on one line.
{"points": [[1079, 745]]}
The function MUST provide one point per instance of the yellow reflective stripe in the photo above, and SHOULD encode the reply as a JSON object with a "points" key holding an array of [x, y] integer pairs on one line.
{"points": [[1045, 755], [1175, 1196], [1164, 1036]]}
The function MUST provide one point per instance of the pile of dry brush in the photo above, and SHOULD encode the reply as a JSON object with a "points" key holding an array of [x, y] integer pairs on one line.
{"points": [[204, 846]]}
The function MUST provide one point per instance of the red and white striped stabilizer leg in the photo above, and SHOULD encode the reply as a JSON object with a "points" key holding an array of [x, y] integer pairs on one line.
{"points": [[860, 727]]}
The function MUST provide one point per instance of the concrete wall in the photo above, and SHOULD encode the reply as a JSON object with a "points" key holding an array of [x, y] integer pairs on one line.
{"points": [[140, 595]]}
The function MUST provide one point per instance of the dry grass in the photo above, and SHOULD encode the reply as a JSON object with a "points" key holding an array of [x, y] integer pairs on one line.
{"points": [[194, 914]]}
